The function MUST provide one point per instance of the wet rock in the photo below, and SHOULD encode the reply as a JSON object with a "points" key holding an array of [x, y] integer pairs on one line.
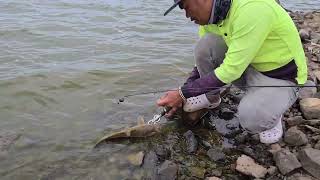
{"points": [[226, 114], [192, 143], [167, 171], [315, 37], [295, 137], [197, 172], [149, 165], [294, 121], [310, 108], [216, 155], [213, 178], [304, 34], [221, 127], [286, 161], [272, 170], [241, 138], [246, 165], [136, 159], [310, 160], [308, 92], [162, 152]]}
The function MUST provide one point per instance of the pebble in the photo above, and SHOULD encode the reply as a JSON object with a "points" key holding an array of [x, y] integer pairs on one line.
{"points": [[295, 137], [246, 165]]}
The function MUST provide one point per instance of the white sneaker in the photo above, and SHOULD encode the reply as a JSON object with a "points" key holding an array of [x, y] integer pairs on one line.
{"points": [[199, 102], [272, 135]]}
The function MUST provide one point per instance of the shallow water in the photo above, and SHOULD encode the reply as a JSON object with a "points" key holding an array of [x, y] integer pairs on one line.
{"points": [[63, 66]]}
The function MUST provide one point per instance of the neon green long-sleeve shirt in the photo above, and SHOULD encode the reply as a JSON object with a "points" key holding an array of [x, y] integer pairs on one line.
{"points": [[259, 33]]}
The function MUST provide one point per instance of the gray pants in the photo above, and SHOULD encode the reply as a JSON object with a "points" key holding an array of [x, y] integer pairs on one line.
{"points": [[261, 108]]}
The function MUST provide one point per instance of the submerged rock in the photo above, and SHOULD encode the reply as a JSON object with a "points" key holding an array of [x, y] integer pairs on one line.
{"points": [[310, 108], [150, 164], [136, 159], [295, 137], [286, 161], [310, 160], [246, 165]]}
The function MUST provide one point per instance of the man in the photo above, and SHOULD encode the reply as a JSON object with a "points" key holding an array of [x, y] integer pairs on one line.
{"points": [[247, 43]]}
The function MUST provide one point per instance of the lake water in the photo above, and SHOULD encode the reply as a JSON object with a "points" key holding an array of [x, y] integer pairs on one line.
{"points": [[65, 63]]}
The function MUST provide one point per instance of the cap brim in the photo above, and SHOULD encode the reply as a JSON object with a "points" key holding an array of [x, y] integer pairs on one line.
{"points": [[172, 7]]}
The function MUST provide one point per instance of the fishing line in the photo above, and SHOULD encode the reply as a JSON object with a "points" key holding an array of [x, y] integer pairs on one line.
{"points": [[212, 88]]}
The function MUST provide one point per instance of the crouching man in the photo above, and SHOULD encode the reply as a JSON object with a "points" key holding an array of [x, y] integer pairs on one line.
{"points": [[246, 43]]}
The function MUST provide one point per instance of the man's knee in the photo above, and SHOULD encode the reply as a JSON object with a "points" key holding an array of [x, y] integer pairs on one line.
{"points": [[255, 118]]}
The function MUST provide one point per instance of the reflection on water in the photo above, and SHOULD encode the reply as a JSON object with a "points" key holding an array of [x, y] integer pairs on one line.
{"points": [[63, 66]]}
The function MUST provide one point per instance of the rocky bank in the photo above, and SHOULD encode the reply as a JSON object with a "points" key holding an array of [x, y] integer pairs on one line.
{"points": [[217, 148]]}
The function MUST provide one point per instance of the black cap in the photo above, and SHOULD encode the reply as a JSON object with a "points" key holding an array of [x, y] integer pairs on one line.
{"points": [[176, 3]]}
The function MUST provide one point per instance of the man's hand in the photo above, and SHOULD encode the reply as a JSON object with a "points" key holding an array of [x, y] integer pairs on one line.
{"points": [[171, 99]]}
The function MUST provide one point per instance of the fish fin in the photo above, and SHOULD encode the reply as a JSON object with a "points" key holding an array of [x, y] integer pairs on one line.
{"points": [[141, 120]]}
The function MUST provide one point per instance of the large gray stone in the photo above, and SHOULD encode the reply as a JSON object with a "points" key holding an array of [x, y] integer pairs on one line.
{"points": [[310, 108], [295, 137], [286, 161], [167, 171], [246, 165], [310, 160]]}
